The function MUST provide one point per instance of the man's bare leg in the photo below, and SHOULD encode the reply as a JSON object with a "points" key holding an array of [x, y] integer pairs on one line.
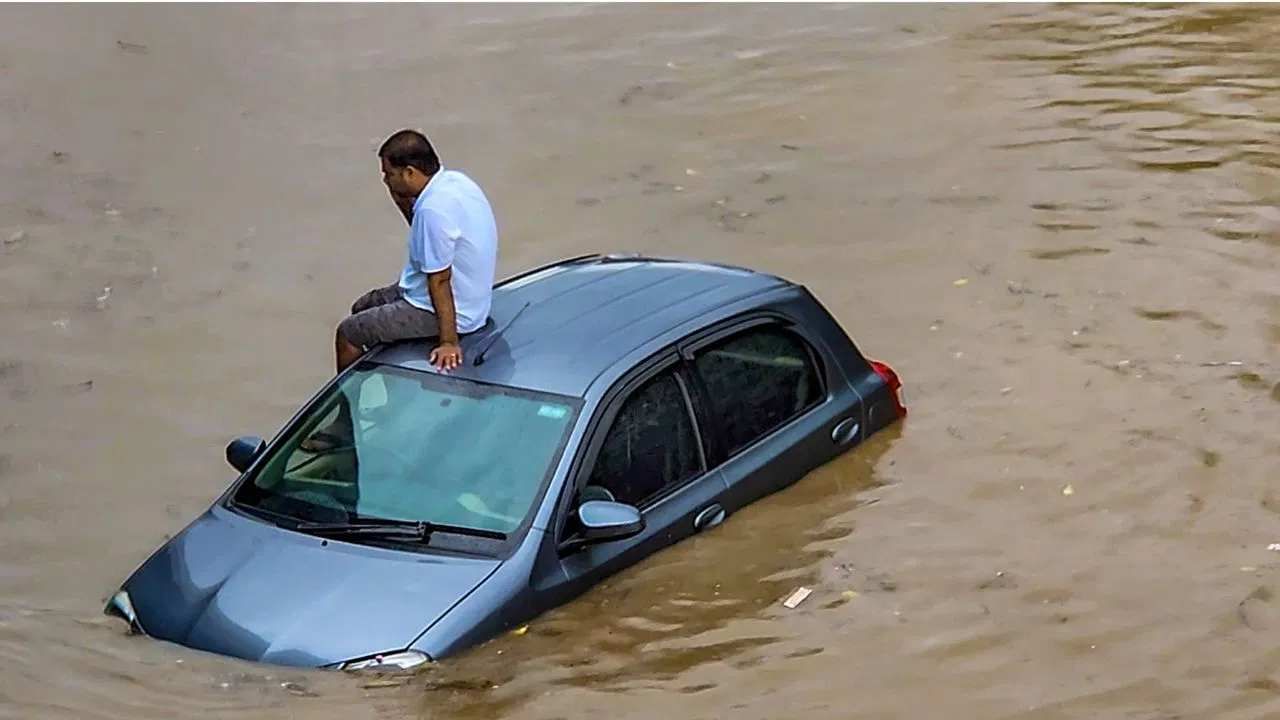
{"points": [[337, 434], [344, 352]]}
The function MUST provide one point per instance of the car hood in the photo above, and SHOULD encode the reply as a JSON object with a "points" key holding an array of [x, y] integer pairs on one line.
{"points": [[235, 586]]}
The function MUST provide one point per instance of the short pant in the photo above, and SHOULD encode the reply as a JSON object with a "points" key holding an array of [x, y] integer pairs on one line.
{"points": [[384, 316]]}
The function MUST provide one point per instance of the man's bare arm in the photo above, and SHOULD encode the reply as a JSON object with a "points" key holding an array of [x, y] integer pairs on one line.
{"points": [[448, 355]]}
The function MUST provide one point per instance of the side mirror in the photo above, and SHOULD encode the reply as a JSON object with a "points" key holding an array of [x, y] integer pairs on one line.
{"points": [[603, 520], [242, 451]]}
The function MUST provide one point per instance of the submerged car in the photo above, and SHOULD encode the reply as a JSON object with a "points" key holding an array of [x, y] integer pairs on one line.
{"points": [[612, 406]]}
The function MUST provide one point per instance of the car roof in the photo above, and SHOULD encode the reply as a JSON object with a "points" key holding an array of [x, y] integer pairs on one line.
{"points": [[556, 328]]}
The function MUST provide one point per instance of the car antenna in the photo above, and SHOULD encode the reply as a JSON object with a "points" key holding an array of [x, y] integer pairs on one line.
{"points": [[494, 337]]}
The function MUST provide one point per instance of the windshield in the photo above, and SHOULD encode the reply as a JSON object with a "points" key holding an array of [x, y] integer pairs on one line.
{"points": [[390, 443]]}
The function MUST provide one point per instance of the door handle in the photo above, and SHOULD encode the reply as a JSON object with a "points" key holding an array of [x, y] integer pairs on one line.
{"points": [[844, 431], [709, 517]]}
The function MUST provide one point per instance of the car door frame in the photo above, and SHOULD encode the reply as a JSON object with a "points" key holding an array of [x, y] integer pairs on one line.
{"points": [[565, 568], [692, 345], [833, 385], [712, 441], [601, 423]]}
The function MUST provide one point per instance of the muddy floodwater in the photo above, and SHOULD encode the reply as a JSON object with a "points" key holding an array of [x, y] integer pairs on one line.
{"points": [[1059, 223]]}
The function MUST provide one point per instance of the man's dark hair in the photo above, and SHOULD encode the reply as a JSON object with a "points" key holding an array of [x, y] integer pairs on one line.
{"points": [[410, 148]]}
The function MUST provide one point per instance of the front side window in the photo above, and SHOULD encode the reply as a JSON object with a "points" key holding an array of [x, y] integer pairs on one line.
{"points": [[395, 444], [756, 382], [651, 445]]}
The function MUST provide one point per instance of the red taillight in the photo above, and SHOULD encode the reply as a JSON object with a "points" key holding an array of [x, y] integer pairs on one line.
{"points": [[895, 384]]}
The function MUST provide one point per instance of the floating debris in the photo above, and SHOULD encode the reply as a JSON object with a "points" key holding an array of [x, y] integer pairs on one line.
{"points": [[297, 689], [1001, 581], [520, 630], [1066, 252], [135, 48], [797, 597], [1210, 458], [16, 237], [630, 93], [1274, 547], [102, 299], [961, 282], [1068, 490], [1250, 380], [1251, 615]]}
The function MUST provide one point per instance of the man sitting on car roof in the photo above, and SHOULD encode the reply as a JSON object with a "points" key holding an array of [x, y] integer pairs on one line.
{"points": [[446, 286]]}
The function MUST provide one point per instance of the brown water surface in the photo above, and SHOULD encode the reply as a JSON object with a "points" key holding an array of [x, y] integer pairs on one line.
{"points": [[1073, 523]]}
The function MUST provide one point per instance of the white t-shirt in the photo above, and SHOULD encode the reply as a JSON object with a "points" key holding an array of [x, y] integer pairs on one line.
{"points": [[453, 226]]}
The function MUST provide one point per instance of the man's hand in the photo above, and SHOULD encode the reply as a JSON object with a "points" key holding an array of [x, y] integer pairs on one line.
{"points": [[405, 204], [447, 356]]}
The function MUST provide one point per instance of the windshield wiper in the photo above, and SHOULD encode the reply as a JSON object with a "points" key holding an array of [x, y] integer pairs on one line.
{"points": [[408, 529], [275, 518]]}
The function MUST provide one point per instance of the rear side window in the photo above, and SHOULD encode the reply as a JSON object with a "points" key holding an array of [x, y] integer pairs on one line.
{"points": [[757, 381], [651, 445]]}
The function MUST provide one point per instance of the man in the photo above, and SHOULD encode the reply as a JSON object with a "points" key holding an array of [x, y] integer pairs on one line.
{"points": [[446, 285]]}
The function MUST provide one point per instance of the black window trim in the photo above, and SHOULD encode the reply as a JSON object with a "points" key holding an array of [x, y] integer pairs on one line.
{"points": [[710, 441], [683, 376], [731, 328], [656, 499], [668, 359], [673, 364]]}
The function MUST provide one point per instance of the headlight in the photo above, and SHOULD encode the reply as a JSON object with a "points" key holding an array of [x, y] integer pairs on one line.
{"points": [[122, 607], [404, 660]]}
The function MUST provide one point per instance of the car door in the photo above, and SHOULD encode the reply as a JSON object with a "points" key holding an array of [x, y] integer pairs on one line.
{"points": [[779, 408], [647, 452]]}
